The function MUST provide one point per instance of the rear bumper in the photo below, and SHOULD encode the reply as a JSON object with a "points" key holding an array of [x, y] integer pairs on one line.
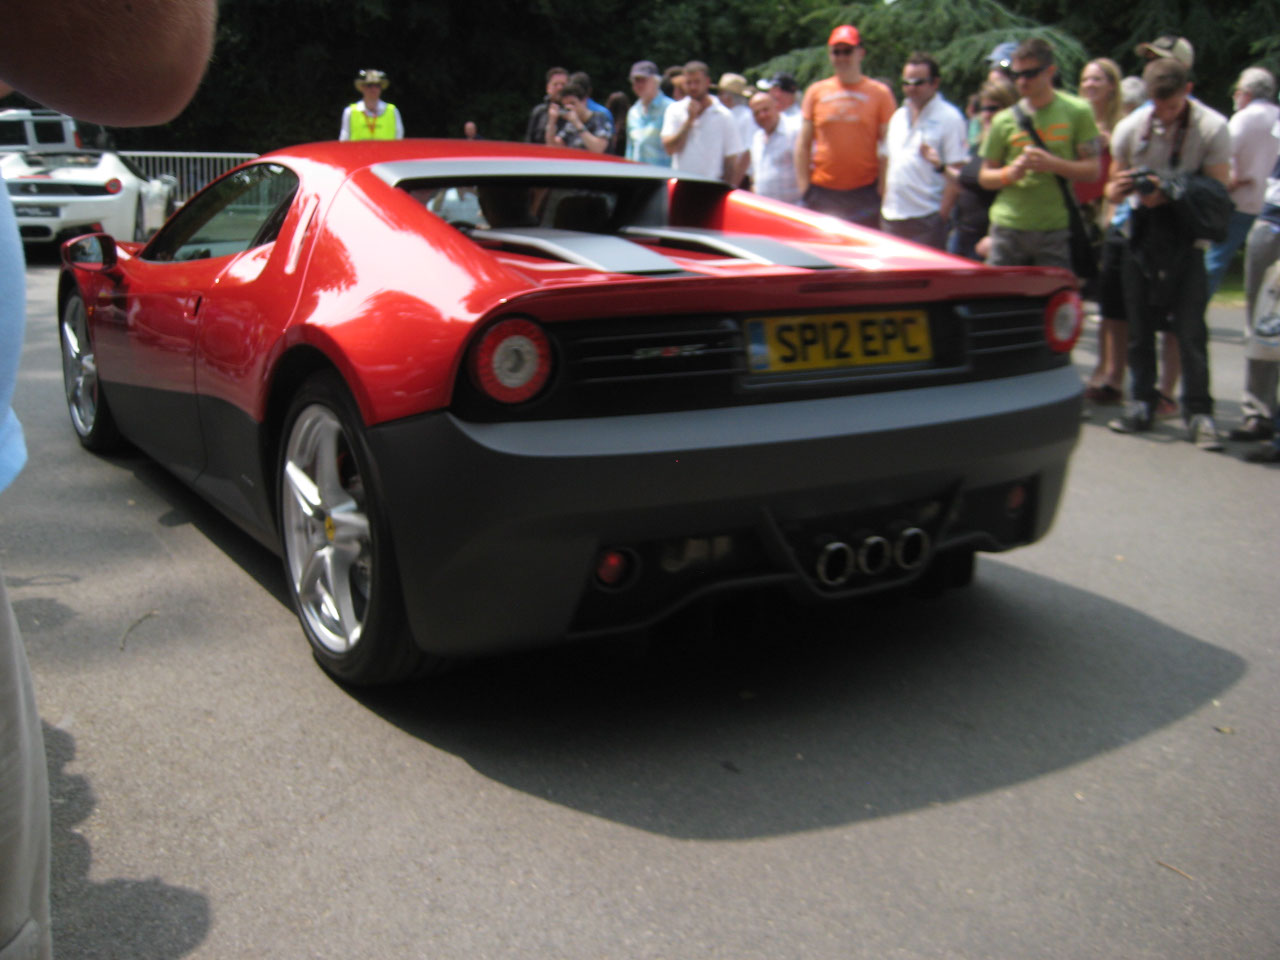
{"points": [[498, 527], [75, 214]]}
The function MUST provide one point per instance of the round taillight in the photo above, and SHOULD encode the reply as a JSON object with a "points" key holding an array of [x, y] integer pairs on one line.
{"points": [[1063, 319], [114, 186], [512, 362]]}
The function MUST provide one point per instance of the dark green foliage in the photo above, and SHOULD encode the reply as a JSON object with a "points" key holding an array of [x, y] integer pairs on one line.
{"points": [[283, 69], [959, 34]]}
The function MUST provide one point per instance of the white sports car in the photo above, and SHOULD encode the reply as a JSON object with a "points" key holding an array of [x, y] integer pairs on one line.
{"points": [[64, 193]]}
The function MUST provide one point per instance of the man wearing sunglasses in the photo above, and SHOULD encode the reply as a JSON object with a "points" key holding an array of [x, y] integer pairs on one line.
{"points": [[926, 136], [1030, 224], [844, 118]]}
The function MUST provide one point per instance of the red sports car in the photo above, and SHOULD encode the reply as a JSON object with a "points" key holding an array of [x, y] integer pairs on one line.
{"points": [[481, 395]]}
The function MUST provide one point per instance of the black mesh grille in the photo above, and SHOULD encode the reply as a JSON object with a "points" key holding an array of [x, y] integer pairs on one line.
{"points": [[702, 348], [46, 188], [1003, 326]]}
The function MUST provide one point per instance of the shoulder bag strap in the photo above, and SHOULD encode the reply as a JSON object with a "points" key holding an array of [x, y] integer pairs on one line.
{"points": [[1025, 123]]}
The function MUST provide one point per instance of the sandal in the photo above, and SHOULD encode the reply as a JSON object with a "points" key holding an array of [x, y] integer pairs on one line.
{"points": [[1166, 406], [1103, 395]]}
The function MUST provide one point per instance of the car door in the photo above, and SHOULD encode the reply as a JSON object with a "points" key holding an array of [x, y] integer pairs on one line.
{"points": [[147, 346]]}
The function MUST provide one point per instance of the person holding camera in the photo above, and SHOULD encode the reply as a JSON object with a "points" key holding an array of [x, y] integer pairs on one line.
{"points": [[1166, 155], [571, 123]]}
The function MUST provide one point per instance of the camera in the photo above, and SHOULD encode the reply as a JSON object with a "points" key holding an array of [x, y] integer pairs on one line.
{"points": [[1146, 181]]}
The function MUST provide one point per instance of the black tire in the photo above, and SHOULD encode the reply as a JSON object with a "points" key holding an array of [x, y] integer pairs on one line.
{"points": [[339, 564], [87, 405]]}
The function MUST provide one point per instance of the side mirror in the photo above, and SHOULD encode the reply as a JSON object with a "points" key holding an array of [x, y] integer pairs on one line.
{"points": [[95, 252]]}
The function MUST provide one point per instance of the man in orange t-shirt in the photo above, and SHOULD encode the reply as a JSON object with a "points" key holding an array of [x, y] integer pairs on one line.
{"points": [[839, 168]]}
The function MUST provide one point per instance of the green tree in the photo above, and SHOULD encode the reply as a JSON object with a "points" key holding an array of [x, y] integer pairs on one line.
{"points": [[958, 34]]}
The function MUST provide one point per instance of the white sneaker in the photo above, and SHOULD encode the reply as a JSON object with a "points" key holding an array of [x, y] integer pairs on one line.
{"points": [[1203, 432]]}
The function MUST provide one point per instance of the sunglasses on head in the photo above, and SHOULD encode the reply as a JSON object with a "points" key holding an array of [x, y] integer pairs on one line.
{"points": [[913, 82], [1027, 74]]}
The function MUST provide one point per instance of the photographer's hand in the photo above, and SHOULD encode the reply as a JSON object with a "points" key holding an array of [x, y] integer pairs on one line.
{"points": [[1120, 185]]}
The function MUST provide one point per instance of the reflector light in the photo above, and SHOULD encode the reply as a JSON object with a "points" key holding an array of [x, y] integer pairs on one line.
{"points": [[1016, 499], [1063, 319], [512, 361], [113, 185], [612, 567]]}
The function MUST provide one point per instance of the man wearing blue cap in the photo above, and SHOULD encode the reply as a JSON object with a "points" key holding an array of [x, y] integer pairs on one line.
{"points": [[644, 117]]}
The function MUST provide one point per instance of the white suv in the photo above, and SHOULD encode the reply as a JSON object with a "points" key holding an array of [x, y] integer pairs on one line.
{"points": [[37, 130]]}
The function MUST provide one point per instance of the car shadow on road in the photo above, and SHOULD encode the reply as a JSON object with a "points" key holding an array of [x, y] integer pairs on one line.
{"points": [[773, 719], [118, 918], [808, 720]]}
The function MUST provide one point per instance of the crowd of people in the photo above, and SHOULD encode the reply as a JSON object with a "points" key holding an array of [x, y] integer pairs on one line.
{"points": [[1016, 178]]}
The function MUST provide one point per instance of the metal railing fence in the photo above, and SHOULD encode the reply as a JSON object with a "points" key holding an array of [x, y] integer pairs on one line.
{"points": [[191, 170]]}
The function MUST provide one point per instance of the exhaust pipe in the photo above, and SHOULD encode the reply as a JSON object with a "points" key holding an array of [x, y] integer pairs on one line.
{"points": [[874, 555], [911, 548], [835, 565]]}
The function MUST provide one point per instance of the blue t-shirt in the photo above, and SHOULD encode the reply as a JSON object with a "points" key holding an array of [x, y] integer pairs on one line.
{"points": [[644, 131], [13, 302]]}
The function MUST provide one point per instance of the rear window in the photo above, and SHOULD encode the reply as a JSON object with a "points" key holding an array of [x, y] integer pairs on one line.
{"points": [[49, 131], [12, 133], [513, 202]]}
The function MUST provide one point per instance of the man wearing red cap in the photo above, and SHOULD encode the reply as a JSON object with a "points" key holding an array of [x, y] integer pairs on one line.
{"points": [[844, 118]]}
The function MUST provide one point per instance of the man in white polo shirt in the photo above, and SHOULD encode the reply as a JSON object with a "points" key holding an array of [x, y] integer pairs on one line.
{"points": [[699, 133], [773, 151], [926, 136]]}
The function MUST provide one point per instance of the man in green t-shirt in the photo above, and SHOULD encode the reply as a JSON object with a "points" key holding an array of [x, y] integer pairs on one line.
{"points": [[1029, 221]]}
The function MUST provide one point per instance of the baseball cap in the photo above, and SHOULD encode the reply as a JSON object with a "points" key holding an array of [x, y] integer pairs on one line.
{"points": [[1175, 48], [845, 34], [782, 80], [1002, 53], [644, 68]]}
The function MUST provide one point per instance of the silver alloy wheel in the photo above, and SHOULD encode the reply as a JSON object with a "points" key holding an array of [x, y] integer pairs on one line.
{"points": [[326, 535], [79, 368]]}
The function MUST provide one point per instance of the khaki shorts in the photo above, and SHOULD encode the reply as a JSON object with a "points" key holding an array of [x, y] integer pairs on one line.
{"points": [[1029, 248]]}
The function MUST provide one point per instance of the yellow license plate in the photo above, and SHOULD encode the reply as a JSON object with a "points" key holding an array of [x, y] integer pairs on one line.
{"points": [[831, 341]]}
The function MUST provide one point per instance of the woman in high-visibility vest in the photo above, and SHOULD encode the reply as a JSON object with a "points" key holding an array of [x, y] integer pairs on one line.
{"points": [[371, 118]]}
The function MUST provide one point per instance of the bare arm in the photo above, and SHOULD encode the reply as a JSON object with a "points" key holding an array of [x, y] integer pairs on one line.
{"points": [[994, 176], [735, 168], [674, 143], [1085, 167], [804, 145], [950, 190], [1220, 172], [882, 159], [133, 63], [594, 143]]}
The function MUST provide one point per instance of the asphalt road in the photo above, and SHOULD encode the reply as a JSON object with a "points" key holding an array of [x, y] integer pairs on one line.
{"points": [[1078, 756]]}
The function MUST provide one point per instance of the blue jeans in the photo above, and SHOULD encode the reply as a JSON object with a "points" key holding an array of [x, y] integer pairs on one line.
{"points": [[1218, 257], [860, 205], [930, 230], [1148, 305]]}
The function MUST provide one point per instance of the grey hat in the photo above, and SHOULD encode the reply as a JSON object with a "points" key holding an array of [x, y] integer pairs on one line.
{"points": [[644, 68]]}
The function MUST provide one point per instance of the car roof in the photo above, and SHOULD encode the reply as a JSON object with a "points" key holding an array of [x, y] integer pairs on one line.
{"points": [[395, 161]]}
